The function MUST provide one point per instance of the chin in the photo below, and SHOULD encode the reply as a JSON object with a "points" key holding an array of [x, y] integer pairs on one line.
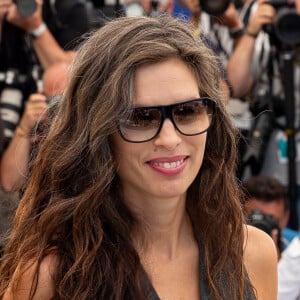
{"points": [[171, 191]]}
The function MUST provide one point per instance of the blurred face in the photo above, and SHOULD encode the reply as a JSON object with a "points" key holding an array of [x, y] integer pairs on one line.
{"points": [[55, 79], [165, 166], [274, 208], [193, 6]]}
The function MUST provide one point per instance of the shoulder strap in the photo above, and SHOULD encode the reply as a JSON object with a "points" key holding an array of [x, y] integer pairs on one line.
{"points": [[246, 12]]}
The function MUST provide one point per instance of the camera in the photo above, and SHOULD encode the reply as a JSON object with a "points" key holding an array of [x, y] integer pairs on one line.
{"points": [[214, 7], [265, 222], [258, 140], [285, 31], [26, 7], [11, 101]]}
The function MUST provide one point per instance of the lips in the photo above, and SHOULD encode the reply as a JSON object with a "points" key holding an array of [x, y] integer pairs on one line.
{"points": [[168, 165]]}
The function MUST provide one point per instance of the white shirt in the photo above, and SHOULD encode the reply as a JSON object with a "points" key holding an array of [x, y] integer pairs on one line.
{"points": [[289, 272]]}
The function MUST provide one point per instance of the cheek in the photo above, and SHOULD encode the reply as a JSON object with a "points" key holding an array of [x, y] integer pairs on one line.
{"points": [[200, 144], [126, 154], [119, 149], [123, 162]]}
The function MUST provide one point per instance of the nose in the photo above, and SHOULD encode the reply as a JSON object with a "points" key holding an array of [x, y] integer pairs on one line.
{"points": [[168, 136]]}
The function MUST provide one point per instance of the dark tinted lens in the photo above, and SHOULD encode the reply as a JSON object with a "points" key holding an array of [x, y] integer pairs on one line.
{"points": [[192, 117], [142, 124]]}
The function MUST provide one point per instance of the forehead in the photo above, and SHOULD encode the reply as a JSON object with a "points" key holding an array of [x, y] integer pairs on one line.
{"points": [[163, 83]]}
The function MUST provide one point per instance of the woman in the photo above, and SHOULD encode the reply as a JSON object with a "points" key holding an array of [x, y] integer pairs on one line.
{"points": [[133, 193]]}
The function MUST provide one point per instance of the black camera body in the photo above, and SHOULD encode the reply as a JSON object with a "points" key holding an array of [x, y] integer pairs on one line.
{"points": [[265, 222], [285, 31], [12, 77], [26, 7]]}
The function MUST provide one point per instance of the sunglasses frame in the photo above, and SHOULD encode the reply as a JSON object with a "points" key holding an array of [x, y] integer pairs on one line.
{"points": [[166, 113]]}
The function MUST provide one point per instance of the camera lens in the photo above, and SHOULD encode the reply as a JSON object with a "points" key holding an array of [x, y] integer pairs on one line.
{"points": [[214, 7], [287, 26], [263, 221], [26, 7]]}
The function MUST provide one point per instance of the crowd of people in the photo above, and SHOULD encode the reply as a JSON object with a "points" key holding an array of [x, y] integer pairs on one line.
{"points": [[139, 142]]}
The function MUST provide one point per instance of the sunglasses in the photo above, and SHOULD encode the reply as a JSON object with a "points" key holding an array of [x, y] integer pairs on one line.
{"points": [[189, 118]]}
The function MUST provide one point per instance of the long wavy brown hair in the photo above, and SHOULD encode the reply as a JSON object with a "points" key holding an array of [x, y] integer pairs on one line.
{"points": [[73, 207]]}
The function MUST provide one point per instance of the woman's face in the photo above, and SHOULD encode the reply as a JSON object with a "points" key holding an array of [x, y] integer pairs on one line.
{"points": [[165, 166]]}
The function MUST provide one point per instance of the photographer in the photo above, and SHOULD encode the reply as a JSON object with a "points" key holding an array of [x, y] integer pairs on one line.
{"points": [[258, 68], [16, 158], [31, 41], [30, 44], [268, 197], [219, 28], [35, 35], [243, 66], [44, 43]]}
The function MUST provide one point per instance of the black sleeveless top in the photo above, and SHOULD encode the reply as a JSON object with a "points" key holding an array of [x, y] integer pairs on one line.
{"points": [[204, 290]]}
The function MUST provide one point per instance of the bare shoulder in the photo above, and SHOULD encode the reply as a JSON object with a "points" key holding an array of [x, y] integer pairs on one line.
{"points": [[260, 258], [45, 285]]}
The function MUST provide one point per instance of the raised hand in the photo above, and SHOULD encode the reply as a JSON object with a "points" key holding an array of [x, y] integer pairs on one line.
{"points": [[263, 15], [35, 111], [26, 23]]}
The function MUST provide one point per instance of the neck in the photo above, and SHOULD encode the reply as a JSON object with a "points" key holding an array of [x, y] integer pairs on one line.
{"points": [[166, 228]]}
